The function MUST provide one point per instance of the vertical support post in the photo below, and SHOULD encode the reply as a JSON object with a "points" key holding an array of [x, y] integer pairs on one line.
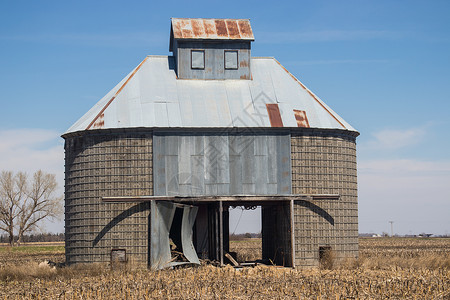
{"points": [[292, 232], [221, 232], [216, 231]]}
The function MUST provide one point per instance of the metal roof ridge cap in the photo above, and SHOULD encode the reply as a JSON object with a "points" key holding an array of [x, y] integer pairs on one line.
{"points": [[312, 94], [117, 93], [262, 57], [157, 55]]}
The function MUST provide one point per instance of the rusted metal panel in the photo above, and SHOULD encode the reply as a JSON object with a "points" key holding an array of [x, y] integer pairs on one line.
{"points": [[274, 115], [233, 29], [300, 117], [245, 29]]}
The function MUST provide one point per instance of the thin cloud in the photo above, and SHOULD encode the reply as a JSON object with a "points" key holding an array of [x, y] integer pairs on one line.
{"points": [[118, 39], [399, 167], [326, 36], [393, 139], [338, 61], [29, 150]]}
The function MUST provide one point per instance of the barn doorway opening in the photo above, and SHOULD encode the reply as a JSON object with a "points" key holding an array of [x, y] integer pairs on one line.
{"points": [[245, 239], [270, 242]]}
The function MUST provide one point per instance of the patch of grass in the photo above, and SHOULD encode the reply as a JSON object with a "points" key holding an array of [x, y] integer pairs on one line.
{"points": [[32, 249]]}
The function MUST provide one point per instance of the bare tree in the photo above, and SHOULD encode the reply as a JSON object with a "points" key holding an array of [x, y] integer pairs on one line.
{"points": [[12, 191], [24, 204]]}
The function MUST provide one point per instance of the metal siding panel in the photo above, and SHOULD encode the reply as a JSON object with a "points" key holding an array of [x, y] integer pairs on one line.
{"points": [[171, 142], [223, 189], [284, 163], [211, 189], [261, 176], [223, 162], [272, 159], [236, 175], [199, 144], [159, 166], [198, 175], [185, 150], [248, 188], [172, 172], [248, 157], [185, 189], [212, 153], [272, 189], [261, 144]]}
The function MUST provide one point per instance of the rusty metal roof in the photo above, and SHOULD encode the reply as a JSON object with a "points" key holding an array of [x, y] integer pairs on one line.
{"points": [[151, 96], [228, 29]]}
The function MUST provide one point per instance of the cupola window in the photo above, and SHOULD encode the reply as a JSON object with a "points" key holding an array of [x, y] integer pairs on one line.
{"points": [[198, 59], [231, 59]]}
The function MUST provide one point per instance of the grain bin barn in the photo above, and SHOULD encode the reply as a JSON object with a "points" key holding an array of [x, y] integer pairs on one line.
{"points": [[158, 161]]}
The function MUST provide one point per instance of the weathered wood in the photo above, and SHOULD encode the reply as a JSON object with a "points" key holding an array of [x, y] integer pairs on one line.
{"points": [[233, 261], [245, 198]]}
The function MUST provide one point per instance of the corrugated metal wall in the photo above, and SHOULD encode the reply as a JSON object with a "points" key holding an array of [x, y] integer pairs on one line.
{"points": [[222, 164], [214, 66], [324, 162], [107, 164]]}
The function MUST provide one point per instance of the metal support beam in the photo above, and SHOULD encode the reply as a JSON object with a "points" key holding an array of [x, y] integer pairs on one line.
{"points": [[231, 198], [292, 232], [221, 232]]}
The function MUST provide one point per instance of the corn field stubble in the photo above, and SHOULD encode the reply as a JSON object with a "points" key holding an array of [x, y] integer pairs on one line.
{"points": [[395, 268]]}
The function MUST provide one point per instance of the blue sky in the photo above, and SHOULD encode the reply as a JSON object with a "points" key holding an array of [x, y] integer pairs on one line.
{"points": [[384, 66]]}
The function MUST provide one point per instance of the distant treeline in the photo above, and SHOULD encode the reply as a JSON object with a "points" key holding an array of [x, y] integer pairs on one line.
{"points": [[39, 237], [242, 236]]}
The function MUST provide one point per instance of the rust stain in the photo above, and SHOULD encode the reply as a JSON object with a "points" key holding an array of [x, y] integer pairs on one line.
{"points": [[311, 94], [245, 29], [115, 95], [300, 117], [233, 30], [197, 27], [176, 29], [187, 33], [243, 64], [100, 122], [274, 115], [221, 28], [211, 29], [244, 76]]}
